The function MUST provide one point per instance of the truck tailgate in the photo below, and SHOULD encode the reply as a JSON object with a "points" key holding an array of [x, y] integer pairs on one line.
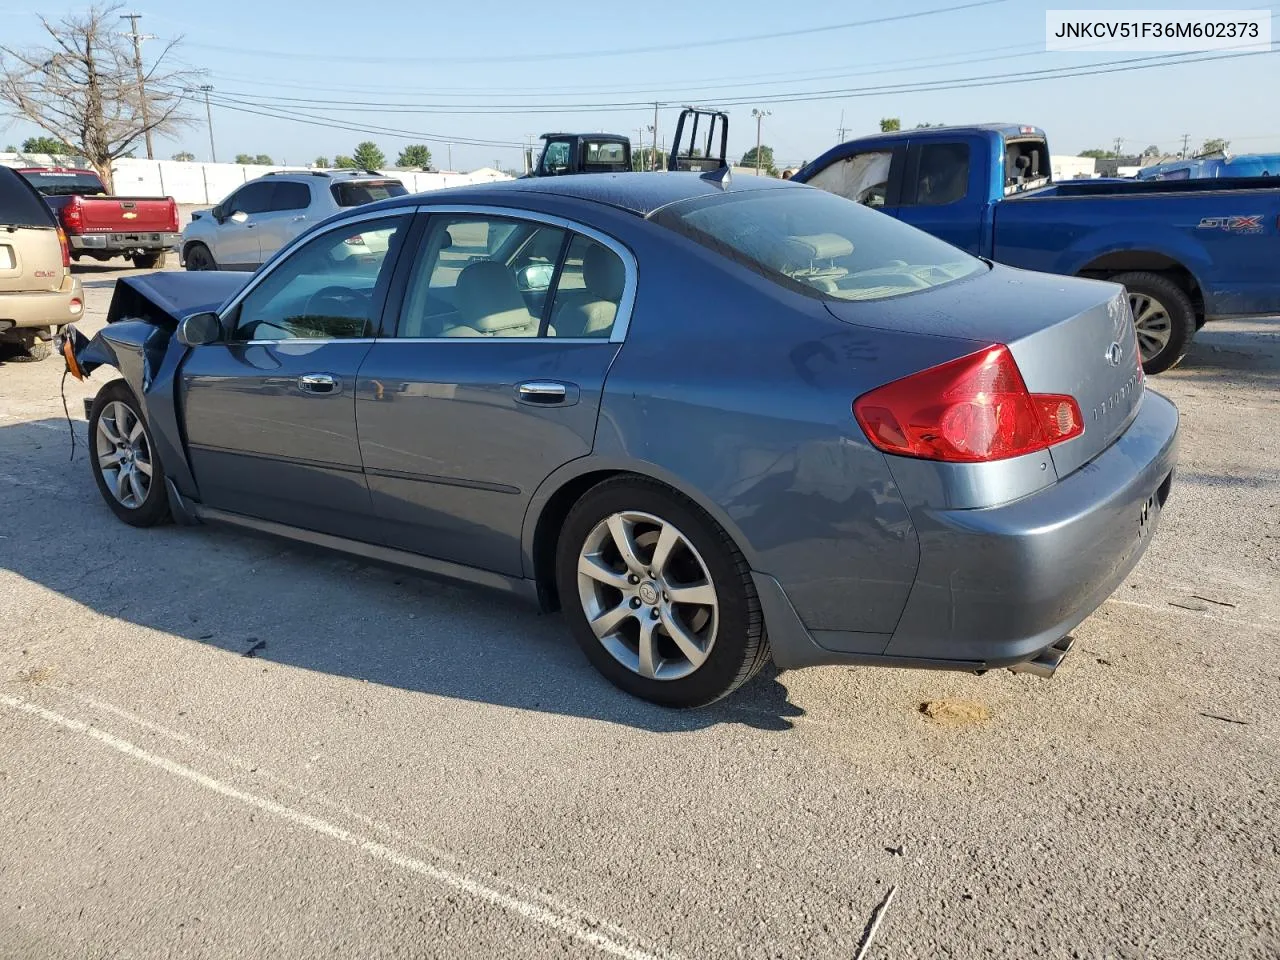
{"points": [[126, 215]]}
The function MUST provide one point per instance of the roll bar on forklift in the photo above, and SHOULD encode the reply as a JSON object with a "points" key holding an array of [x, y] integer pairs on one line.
{"points": [[694, 148], [700, 158]]}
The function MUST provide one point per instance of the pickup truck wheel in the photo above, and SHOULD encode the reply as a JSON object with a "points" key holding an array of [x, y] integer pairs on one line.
{"points": [[1163, 318], [149, 261], [199, 258], [125, 464]]}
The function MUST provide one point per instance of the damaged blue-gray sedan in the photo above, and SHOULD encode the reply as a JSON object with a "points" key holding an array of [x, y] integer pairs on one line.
{"points": [[715, 423]]}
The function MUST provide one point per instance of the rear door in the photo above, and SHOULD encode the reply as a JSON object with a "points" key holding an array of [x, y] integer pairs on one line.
{"points": [[270, 412], [490, 380], [943, 191], [237, 243], [30, 252], [871, 177]]}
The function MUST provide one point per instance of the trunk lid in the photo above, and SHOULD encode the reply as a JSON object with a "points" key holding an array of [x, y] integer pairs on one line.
{"points": [[126, 215], [1068, 336]]}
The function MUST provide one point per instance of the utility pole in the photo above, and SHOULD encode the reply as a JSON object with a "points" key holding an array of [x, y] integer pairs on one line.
{"points": [[133, 19], [449, 150], [654, 164], [1186, 138], [208, 113], [653, 135], [1119, 141], [842, 130], [759, 115]]}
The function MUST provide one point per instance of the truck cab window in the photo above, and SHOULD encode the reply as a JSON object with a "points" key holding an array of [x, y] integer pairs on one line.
{"points": [[555, 159], [1026, 165], [862, 177], [943, 174]]}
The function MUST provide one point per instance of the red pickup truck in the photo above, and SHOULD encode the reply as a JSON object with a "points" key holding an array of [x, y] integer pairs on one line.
{"points": [[141, 229]]}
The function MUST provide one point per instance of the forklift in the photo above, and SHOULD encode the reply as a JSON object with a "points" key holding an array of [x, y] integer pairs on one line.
{"points": [[570, 153]]}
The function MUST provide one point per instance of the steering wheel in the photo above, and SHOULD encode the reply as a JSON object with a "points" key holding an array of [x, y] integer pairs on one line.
{"points": [[324, 300]]}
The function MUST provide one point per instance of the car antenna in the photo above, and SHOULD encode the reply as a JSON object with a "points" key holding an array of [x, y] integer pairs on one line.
{"points": [[721, 177]]}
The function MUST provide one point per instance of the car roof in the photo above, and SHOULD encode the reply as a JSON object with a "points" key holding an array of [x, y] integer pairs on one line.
{"points": [[638, 193]]}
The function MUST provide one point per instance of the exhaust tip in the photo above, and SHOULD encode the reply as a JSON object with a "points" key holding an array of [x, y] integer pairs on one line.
{"points": [[1046, 662]]}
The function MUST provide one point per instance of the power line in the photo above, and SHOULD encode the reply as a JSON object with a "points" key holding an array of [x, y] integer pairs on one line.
{"points": [[596, 54], [981, 80]]}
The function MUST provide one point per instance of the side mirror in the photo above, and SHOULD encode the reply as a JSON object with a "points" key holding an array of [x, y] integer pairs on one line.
{"points": [[239, 216], [199, 329], [218, 213], [536, 277]]}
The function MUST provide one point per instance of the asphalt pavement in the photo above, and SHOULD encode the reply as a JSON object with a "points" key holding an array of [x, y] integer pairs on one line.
{"points": [[216, 745]]}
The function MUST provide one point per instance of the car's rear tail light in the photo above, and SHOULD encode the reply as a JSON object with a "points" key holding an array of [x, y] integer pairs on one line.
{"points": [[73, 215], [66, 251], [969, 410], [173, 216]]}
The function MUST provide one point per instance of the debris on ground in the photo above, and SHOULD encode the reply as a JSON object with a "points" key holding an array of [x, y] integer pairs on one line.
{"points": [[1220, 603], [257, 645], [1218, 716], [955, 713], [36, 674], [874, 924]]}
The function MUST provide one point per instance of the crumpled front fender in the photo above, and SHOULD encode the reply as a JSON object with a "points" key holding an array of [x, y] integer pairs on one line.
{"points": [[148, 357]]}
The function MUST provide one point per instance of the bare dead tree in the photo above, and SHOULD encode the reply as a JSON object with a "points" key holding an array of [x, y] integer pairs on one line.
{"points": [[83, 88]]}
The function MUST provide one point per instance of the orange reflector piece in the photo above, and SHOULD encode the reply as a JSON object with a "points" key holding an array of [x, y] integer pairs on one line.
{"points": [[69, 354]]}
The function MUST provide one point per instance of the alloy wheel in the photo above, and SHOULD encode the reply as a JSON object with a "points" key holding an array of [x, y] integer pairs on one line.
{"points": [[648, 595], [124, 455], [1152, 323]]}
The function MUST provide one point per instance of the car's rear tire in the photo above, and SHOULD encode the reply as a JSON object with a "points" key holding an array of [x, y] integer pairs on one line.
{"points": [[1163, 316], [125, 466], [677, 622], [200, 257], [150, 261]]}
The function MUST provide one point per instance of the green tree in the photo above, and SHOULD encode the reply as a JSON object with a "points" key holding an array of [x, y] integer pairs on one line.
{"points": [[1214, 145], [766, 160], [368, 156], [263, 159], [11, 149], [414, 155], [1099, 154], [49, 145], [321, 162], [185, 156], [344, 163], [890, 124], [1151, 151], [244, 158]]}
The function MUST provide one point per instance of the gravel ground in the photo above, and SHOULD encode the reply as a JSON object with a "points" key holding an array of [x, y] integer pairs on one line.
{"points": [[213, 745]]}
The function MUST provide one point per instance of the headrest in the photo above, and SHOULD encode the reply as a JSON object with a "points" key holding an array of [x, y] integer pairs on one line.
{"points": [[488, 298], [822, 246], [603, 273]]}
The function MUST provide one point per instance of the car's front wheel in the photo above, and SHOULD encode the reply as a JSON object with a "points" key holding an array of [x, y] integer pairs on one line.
{"points": [[199, 257], [128, 472], [658, 596]]}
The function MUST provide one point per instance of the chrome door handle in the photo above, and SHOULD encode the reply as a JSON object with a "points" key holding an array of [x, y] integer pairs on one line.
{"points": [[296, 219], [318, 383], [546, 392]]}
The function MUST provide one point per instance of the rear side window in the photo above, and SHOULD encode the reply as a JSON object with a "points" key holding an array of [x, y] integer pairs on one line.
{"points": [[355, 193], [290, 196], [20, 205], [820, 244], [942, 175]]}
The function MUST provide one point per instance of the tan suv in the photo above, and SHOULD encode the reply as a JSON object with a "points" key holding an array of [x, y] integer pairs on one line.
{"points": [[38, 294]]}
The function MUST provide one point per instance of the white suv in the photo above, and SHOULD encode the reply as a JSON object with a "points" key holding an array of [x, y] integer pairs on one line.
{"points": [[246, 228]]}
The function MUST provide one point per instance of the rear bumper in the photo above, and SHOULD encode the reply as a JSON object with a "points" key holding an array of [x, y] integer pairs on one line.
{"points": [[121, 242], [55, 309], [997, 586]]}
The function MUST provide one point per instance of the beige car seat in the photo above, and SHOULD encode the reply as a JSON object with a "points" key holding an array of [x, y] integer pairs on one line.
{"points": [[490, 304], [592, 312]]}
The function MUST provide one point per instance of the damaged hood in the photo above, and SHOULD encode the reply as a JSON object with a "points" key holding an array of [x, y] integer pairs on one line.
{"points": [[165, 298]]}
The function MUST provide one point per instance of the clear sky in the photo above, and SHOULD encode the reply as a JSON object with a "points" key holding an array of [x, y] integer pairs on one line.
{"points": [[503, 71]]}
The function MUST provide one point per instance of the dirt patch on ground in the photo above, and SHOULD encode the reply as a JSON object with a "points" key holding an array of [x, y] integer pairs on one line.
{"points": [[36, 674], [956, 713]]}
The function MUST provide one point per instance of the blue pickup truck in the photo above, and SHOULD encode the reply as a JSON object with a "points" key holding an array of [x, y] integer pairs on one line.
{"points": [[1187, 251]]}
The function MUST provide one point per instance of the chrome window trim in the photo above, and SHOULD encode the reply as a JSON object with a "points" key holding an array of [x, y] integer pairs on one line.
{"points": [[285, 252], [622, 320]]}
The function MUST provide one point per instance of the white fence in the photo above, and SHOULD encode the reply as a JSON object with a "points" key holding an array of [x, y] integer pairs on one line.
{"points": [[207, 183]]}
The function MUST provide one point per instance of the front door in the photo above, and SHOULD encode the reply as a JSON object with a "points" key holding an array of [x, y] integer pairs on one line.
{"points": [[270, 412], [236, 246], [492, 381]]}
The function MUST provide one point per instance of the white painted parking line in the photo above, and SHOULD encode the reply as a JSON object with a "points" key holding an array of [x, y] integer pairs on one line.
{"points": [[576, 927]]}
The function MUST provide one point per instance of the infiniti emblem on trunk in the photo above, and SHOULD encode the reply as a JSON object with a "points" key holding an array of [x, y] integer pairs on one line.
{"points": [[1114, 354]]}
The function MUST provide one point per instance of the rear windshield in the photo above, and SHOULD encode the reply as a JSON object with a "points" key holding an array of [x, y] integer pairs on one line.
{"points": [[66, 184], [821, 244], [355, 193], [21, 206]]}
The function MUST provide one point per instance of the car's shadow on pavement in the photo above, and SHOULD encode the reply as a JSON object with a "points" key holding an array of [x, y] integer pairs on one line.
{"points": [[1219, 351], [302, 607]]}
